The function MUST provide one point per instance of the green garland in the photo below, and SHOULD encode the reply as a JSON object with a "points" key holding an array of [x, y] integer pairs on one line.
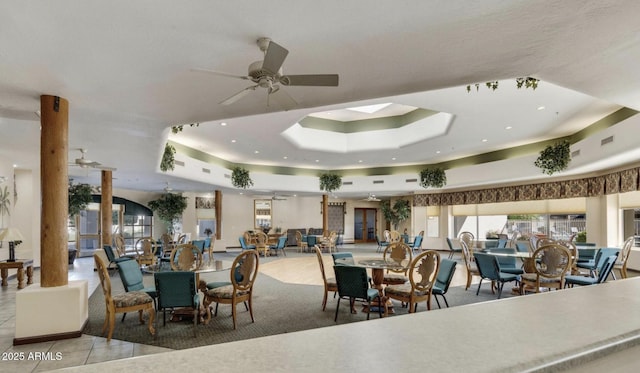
{"points": [[168, 158], [527, 82], [240, 178], [330, 182], [433, 177], [554, 158]]}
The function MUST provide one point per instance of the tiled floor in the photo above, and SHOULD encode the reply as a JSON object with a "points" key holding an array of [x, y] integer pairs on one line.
{"points": [[70, 352]]}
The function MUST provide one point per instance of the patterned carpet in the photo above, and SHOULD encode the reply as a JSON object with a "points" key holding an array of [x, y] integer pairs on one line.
{"points": [[278, 308]]}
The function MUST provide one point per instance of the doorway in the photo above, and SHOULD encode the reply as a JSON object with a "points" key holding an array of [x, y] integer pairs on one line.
{"points": [[364, 225]]}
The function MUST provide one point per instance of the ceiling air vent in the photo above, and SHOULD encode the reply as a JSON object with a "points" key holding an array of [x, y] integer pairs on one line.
{"points": [[606, 140], [411, 180], [378, 181], [575, 153], [179, 163], [206, 170], [227, 176], [347, 183]]}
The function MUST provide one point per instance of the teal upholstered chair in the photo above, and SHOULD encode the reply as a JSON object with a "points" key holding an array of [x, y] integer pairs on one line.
{"points": [[502, 243], [523, 246], [244, 245], [200, 244], [132, 280], [452, 249], [508, 264], [282, 242], [601, 255], [381, 244], [108, 251], [603, 273], [489, 269], [177, 289], [417, 243], [443, 280], [352, 284], [344, 258]]}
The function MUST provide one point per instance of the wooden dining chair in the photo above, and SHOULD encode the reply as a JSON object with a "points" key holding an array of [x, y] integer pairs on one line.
{"points": [[301, 243], [621, 264], [550, 263], [146, 251], [402, 255], [422, 276], [123, 302], [469, 264], [329, 283], [185, 257]]}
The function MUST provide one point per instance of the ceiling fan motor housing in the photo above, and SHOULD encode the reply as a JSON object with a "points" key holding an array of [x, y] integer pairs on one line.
{"points": [[262, 76]]}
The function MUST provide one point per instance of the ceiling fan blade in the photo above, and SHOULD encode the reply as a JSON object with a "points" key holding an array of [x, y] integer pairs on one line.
{"points": [[105, 168], [283, 99], [238, 95], [274, 58], [199, 70], [327, 80]]}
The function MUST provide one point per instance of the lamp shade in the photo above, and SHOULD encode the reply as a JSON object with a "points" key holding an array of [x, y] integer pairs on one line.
{"points": [[10, 234]]}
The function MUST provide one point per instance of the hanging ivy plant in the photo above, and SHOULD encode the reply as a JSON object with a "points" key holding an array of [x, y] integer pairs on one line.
{"points": [[400, 211], [330, 182], [79, 197], [527, 82], [168, 158], [240, 178], [433, 177], [180, 127], [169, 208], [554, 158]]}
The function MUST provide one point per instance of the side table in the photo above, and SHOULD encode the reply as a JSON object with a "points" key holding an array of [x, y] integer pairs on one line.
{"points": [[20, 265]]}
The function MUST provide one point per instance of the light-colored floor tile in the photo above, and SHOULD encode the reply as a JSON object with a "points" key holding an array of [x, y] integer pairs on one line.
{"points": [[110, 352], [63, 360], [140, 349], [82, 343], [18, 365]]}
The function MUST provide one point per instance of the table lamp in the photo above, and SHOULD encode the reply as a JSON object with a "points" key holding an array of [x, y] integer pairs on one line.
{"points": [[11, 235]]}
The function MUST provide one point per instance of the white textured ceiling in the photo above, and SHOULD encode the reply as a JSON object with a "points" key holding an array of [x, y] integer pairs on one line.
{"points": [[126, 69]]}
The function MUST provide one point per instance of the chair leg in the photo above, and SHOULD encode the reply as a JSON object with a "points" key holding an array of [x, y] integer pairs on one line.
{"points": [[250, 309], [335, 319], [445, 300], [499, 285], [233, 315], [196, 312], [479, 284], [380, 303], [369, 309], [123, 316], [468, 281], [324, 301], [437, 302]]}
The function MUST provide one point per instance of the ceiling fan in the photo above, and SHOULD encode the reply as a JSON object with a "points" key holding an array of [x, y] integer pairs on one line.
{"points": [[268, 74], [371, 198], [87, 163]]}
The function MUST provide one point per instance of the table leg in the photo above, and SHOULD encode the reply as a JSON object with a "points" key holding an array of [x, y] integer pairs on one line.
{"points": [[20, 277], [29, 275], [5, 274]]}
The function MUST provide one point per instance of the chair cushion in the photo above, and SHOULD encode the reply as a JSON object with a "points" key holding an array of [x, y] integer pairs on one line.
{"points": [[332, 282], [402, 290], [217, 284], [396, 279], [532, 277], [372, 294], [132, 298], [580, 280], [506, 277], [513, 271], [224, 292]]}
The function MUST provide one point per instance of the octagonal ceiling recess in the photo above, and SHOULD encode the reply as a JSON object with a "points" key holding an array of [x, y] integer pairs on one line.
{"points": [[381, 126]]}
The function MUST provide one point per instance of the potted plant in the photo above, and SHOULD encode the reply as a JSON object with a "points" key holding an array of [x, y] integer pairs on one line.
{"points": [[433, 177], [80, 195], [554, 158], [168, 158], [169, 208], [240, 178], [581, 236], [330, 182], [400, 211], [208, 232]]}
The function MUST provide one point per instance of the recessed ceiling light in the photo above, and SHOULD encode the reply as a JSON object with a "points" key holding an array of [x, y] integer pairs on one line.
{"points": [[484, 140], [508, 127], [256, 151], [317, 160], [233, 140], [15, 165], [437, 151], [393, 159], [223, 124], [360, 161], [369, 109], [285, 157], [540, 107]]}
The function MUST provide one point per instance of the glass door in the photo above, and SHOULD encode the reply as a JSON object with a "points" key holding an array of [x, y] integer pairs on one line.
{"points": [[88, 230], [364, 225]]}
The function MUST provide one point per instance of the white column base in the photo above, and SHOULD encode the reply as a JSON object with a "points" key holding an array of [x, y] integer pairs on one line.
{"points": [[53, 313]]}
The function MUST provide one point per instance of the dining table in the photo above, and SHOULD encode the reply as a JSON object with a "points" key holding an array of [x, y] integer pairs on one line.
{"points": [[206, 267], [378, 266]]}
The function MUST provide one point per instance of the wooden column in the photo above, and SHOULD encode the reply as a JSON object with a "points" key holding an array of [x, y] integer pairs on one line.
{"points": [[106, 218], [218, 206], [325, 212], [54, 180]]}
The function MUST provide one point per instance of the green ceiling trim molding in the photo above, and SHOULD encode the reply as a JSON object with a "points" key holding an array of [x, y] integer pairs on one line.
{"points": [[365, 125], [498, 155]]}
